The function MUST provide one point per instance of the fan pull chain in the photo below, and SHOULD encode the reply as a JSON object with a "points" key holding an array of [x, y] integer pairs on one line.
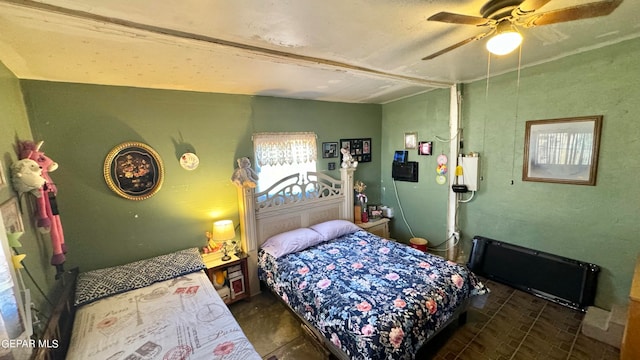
{"points": [[515, 126], [486, 100]]}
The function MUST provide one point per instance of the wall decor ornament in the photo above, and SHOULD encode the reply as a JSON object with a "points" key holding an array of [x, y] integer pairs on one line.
{"points": [[48, 214], [189, 161], [562, 150], [133, 170]]}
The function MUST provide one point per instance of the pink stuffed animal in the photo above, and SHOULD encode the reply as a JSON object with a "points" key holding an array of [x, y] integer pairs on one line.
{"points": [[48, 218]]}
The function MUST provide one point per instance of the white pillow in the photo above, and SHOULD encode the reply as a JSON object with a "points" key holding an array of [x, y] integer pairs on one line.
{"points": [[291, 241], [335, 228]]}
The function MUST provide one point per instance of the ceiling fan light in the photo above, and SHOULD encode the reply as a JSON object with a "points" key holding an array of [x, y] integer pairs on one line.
{"points": [[504, 42]]}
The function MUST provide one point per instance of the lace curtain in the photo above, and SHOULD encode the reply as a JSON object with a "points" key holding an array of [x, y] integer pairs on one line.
{"points": [[273, 149]]}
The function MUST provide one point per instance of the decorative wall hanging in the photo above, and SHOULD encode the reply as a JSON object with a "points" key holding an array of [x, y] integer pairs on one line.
{"points": [[134, 171], [48, 215], [562, 150], [360, 149], [189, 161]]}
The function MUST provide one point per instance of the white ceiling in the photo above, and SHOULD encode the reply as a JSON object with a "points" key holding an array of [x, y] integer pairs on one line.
{"points": [[361, 51]]}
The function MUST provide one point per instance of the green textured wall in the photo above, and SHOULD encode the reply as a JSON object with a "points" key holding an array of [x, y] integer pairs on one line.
{"points": [[15, 125], [423, 203], [82, 123], [597, 224]]}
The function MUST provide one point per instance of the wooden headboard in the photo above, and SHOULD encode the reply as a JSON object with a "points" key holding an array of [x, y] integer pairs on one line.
{"points": [[57, 334], [298, 200]]}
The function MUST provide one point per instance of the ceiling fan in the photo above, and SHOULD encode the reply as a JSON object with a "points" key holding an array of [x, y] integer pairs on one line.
{"points": [[503, 17]]}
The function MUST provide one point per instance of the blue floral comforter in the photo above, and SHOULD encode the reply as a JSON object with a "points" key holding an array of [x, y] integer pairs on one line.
{"points": [[371, 297]]}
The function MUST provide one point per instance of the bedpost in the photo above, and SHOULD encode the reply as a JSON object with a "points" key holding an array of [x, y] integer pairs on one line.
{"points": [[346, 175], [247, 210], [248, 234]]}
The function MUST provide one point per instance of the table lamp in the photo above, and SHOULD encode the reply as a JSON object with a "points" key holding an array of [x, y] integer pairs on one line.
{"points": [[223, 230]]}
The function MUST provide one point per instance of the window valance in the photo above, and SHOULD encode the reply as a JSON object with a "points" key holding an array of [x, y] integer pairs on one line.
{"points": [[284, 148]]}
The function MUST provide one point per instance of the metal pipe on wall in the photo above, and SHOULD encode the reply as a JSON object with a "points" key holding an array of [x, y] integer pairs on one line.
{"points": [[452, 206]]}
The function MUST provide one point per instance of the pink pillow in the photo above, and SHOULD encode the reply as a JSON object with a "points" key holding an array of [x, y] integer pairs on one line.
{"points": [[335, 228], [291, 241]]}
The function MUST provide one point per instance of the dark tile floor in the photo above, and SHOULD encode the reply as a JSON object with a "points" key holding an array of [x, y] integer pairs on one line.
{"points": [[511, 325]]}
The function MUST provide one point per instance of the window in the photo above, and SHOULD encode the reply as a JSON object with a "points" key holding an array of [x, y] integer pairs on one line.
{"points": [[281, 154]]}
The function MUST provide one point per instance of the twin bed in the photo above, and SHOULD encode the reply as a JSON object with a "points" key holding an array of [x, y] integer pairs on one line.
{"points": [[159, 308], [362, 296]]}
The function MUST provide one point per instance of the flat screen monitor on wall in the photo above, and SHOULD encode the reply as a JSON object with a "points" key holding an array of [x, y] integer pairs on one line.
{"points": [[401, 156]]}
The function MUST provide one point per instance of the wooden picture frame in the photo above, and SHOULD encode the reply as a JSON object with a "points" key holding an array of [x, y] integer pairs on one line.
{"points": [[11, 217], [330, 150], [562, 150], [360, 149], [411, 140], [134, 171]]}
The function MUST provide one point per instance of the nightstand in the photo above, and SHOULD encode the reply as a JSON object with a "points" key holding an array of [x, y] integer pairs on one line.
{"points": [[378, 227], [237, 274]]}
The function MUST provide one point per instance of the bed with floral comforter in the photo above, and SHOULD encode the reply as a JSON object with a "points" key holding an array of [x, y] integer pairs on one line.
{"points": [[372, 298]]}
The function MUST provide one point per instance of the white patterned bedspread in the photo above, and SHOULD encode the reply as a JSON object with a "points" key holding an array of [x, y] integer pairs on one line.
{"points": [[177, 319]]}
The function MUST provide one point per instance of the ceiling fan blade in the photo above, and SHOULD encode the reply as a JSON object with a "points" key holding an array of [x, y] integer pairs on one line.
{"points": [[459, 19], [596, 9], [457, 45], [529, 6]]}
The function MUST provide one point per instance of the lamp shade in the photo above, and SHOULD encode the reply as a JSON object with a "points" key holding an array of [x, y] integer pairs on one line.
{"points": [[505, 41], [223, 230]]}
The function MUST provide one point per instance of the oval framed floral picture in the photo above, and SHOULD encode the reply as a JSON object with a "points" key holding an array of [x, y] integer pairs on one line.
{"points": [[133, 170]]}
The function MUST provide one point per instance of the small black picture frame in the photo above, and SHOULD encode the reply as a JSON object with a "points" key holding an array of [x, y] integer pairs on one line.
{"points": [[330, 150], [332, 165], [360, 148], [425, 148]]}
